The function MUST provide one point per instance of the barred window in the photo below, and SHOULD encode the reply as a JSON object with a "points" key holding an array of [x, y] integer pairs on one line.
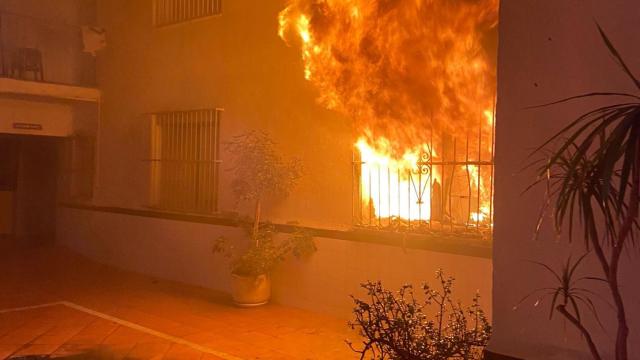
{"points": [[169, 12], [184, 160], [444, 187]]}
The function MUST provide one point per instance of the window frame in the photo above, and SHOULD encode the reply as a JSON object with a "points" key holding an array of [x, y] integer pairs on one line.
{"points": [[193, 167], [78, 171], [188, 16]]}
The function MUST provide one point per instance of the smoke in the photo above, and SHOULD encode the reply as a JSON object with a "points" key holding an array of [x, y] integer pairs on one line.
{"points": [[399, 68]]}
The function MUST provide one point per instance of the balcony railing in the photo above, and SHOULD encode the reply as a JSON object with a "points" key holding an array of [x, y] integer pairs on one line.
{"points": [[36, 49]]}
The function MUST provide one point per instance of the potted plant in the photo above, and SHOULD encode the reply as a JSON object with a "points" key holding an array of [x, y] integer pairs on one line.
{"points": [[251, 264], [260, 174]]}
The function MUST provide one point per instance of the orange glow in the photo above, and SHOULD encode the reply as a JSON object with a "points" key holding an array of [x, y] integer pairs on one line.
{"points": [[477, 181], [388, 185], [406, 72]]}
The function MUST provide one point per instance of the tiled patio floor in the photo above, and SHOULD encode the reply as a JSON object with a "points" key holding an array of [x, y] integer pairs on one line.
{"points": [[55, 304]]}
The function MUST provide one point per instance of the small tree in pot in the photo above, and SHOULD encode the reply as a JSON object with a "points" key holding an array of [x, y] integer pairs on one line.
{"points": [[260, 173]]}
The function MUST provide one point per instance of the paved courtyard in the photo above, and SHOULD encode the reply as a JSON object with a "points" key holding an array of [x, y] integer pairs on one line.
{"points": [[55, 304]]}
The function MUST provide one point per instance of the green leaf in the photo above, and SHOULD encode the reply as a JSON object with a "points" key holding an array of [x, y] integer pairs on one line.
{"points": [[616, 55], [553, 303], [548, 268], [576, 264], [574, 305]]}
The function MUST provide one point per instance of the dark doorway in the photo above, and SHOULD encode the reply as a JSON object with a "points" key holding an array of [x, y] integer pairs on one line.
{"points": [[28, 188], [9, 150]]}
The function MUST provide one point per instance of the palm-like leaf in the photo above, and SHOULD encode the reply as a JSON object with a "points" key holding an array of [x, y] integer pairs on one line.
{"points": [[568, 290], [592, 173], [595, 165]]}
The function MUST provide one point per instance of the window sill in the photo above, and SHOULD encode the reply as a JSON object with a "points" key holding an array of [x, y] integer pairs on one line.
{"points": [[438, 242]]}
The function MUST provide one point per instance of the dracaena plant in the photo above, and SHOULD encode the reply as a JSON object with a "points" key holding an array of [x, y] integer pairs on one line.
{"points": [[395, 325], [591, 169]]}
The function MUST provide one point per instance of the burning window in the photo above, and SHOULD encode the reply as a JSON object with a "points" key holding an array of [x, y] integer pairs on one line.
{"points": [[169, 12], [184, 160], [426, 189], [418, 79]]}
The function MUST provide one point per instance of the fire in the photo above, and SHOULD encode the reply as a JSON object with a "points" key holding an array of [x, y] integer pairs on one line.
{"points": [[416, 77], [477, 184], [389, 184]]}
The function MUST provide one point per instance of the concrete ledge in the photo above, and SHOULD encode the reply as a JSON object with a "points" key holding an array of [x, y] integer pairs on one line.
{"points": [[166, 247], [437, 242]]}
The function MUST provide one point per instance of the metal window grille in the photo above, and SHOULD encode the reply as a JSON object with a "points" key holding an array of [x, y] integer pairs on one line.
{"points": [[184, 160], [168, 12], [450, 192]]}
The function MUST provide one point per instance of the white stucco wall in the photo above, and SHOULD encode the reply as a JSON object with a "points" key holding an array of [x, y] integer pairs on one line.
{"points": [[236, 62], [550, 50], [53, 119], [181, 251]]}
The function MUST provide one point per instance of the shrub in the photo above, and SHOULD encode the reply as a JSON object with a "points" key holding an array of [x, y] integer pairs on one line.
{"points": [[395, 325]]}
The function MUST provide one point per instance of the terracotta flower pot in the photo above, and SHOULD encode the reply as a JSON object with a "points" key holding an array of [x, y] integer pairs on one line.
{"points": [[250, 291]]}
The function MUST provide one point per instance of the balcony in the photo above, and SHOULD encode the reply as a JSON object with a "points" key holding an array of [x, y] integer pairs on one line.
{"points": [[43, 59]]}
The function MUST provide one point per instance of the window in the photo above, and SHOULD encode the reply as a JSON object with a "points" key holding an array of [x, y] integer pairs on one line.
{"points": [[445, 187], [184, 160], [78, 167], [169, 12]]}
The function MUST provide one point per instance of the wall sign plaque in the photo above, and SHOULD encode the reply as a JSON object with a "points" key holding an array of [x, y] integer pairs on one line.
{"points": [[27, 126]]}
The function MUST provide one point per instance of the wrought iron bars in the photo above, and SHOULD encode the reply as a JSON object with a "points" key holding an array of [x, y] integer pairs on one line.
{"points": [[450, 192]]}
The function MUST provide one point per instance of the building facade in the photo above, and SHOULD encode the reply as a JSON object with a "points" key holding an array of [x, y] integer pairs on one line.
{"points": [[223, 66]]}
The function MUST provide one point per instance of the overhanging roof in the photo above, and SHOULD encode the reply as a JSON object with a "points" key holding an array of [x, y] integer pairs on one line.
{"points": [[48, 90]]}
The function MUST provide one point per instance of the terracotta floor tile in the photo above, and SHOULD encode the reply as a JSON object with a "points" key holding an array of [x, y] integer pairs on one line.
{"points": [[24, 334], [72, 349], [149, 350], [181, 331], [36, 349], [181, 352], [40, 275], [6, 350], [95, 352], [210, 357], [94, 333], [58, 335], [124, 335], [117, 351]]}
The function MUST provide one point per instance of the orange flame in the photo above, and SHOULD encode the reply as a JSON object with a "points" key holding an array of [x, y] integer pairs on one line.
{"points": [[406, 72], [390, 184]]}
